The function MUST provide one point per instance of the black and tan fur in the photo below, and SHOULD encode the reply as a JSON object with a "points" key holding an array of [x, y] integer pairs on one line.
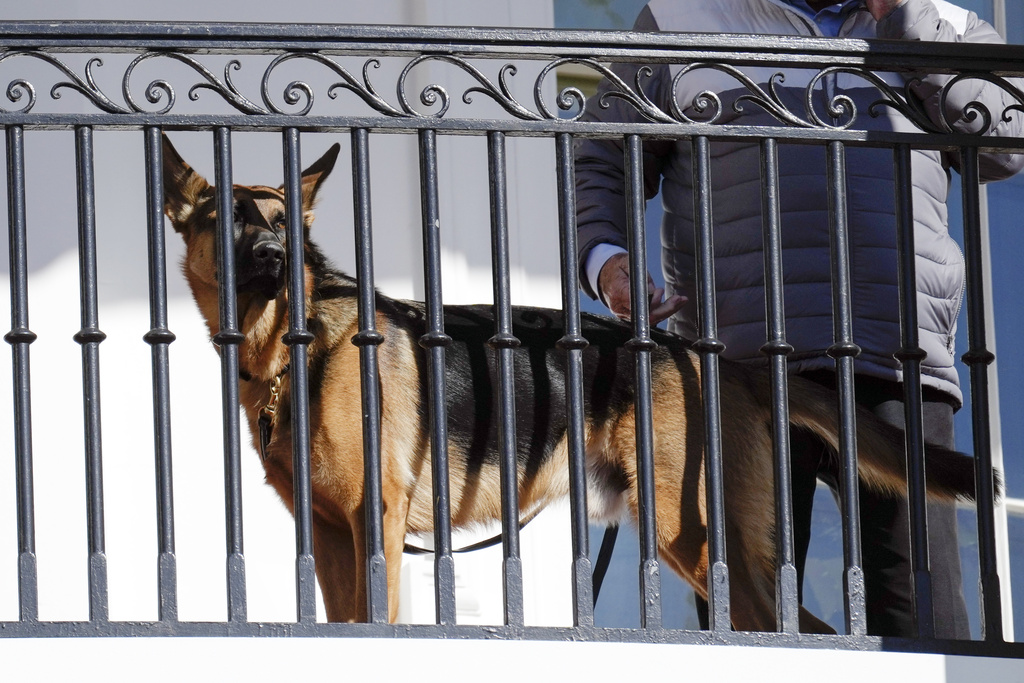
{"points": [[335, 409]]}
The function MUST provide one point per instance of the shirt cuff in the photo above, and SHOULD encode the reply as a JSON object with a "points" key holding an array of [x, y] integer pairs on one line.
{"points": [[596, 259]]}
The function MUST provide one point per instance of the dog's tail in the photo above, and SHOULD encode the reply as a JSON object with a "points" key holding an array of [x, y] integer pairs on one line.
{"points": [[881, 458]]}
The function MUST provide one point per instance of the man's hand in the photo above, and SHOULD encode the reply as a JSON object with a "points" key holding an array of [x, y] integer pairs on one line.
{"points": [[614, 284], [881, 8]]}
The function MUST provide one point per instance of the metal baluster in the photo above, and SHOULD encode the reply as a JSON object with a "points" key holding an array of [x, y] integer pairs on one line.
{"points": [[573, 344], [978, 358], [228, 339], [504, 342], [641, 345], [20, 337], [709, 347], [844, 351], [368, 339], [159, 338], [298, 338], [89, 337], [910, 355], [435, 341], [787, 601]]}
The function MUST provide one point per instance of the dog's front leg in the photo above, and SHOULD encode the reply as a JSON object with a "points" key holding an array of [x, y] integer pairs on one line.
{"points": [[338, 567], [396, 513], [340, 556]]}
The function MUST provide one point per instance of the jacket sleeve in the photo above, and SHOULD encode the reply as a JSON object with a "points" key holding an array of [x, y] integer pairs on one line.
{"points": [[600, 164], [922, 20]]}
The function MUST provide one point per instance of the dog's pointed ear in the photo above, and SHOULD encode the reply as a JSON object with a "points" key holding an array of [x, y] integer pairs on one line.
{"points": [[314, 176], [183, 187]]}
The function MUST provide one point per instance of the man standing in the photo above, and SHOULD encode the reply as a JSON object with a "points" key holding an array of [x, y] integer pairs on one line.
{"points": [[735, 185]]}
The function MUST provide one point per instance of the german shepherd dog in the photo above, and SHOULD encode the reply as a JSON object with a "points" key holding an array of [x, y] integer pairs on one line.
{"points": [[610, 444]]}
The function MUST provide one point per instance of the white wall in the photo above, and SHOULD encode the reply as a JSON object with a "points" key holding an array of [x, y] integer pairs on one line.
{"points": [[157, 660], [527, 13], [125, 359]]}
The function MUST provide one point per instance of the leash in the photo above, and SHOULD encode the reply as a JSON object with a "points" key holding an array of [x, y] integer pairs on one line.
{"points": [[410, 549], [604, 555], [604, 558]]}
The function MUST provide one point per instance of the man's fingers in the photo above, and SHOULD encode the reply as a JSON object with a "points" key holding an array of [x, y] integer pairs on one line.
{"points": [[666, 309], [661, 308]]}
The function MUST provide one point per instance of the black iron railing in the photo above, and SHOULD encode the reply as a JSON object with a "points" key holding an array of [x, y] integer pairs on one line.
{"points": [[47, 66]]}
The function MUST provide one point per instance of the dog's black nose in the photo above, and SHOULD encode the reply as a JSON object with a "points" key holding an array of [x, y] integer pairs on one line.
{"points": [[268, 252]]}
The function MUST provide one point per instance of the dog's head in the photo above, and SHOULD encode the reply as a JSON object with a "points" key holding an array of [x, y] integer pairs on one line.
{"points": [[259, 228]]}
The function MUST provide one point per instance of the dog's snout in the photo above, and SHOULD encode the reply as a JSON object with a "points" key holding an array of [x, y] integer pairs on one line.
{"points": [[268, 251], [261, 266]]}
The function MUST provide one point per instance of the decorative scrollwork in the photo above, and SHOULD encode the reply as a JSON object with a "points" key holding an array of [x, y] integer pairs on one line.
{"points": [[16, 90], [433, 94], [571, 97], [706, 100], [568, 98], [86, 86], [296, 91], [366, 90], [842, 107], [972, 110], [943, 119], [840, 112], [707, 106], [159, 89]]}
